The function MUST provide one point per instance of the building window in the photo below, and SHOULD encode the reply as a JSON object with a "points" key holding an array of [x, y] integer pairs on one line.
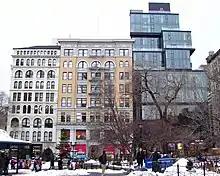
{"points": [[14, 123], [82, 64], [37, 86], [80, 134], [32, 62], [69, 102], [38, 62], [121, 75], [127, 88], [50, 136], [54, 62], [123, 52], [82, 76], [96, 64], [94, 117], [48, 123], [127, 75], [27, 135], [38, 97], [80, 117], [65, 64], [49, 62], [69, 89], [63, 102], [45, 136], [109, 76], [22, 62], [52, 85], [64, 76], [38, 136], [29, 74], [37, 123], [81, 89], [70, 75], [28, 62], [81, 102], [96, 52], [94, 102], [121, 64], [126, 64], [109, 64], [26, 123], [124, 102], [49, 97], [68, 52], [40, 74], [15, 85], [51, 74], [17, 62], [41, 85], [48, 84], [30, 85], [64, 88], [70, 64], [83, 52], [43, 62], [18, 74], [109, 52], [16, 97]]}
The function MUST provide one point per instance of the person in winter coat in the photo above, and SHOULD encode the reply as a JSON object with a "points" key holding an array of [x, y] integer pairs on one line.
{"points": [[155, 161], [103, 161], [7, 161], [2, 163], [140, 158]]}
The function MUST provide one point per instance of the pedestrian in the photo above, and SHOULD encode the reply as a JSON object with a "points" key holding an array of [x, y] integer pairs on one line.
{"points": [[60, 164], [52, 163], [155, 161], [140, 158], [7, 161], [103, 161], [2, 163]]}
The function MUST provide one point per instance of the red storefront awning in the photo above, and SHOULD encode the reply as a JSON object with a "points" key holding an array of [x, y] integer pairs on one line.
{"points": [[109, 149], [80, 148]]}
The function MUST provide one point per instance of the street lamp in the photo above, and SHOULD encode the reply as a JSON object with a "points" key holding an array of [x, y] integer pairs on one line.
{"points": [[140, 135]]}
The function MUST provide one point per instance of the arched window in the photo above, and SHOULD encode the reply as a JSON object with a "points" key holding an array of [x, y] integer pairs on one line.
{"points": [[96, 64], [41, 85], [29, 109], [20, 85], [37, 123], [65, 64], [18, 74], [48, 84], [82, 64], [34, 138], [121, 64], [40, 109], [12, 134], [37, 86], [54, 62], [14, 123], [70, 64], [45, 136], [43, 62], [13, 109], [52, 85], [27, 135], [24, 109], [26, 123], [109, 64], [26, 84], [48, 123], [38, 136], [30, 85], [18, 109], [38, 62], [28, 62], [22, 62], [35, 109], [32, 62], [16, 134], [40, 74], [50, 136], [22, 135], [15, 85], [17, 62], [29, 74], [51, 109], [49, 62], [51, 74], [46, 109]]}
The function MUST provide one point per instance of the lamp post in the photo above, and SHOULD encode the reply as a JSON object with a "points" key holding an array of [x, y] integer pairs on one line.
{"points": [[140, 135]]}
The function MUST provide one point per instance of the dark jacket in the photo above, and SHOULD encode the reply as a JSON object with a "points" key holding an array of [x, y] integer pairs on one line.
{"points": [[140, 156], [103, 159], [156, 156], [2, 162]]}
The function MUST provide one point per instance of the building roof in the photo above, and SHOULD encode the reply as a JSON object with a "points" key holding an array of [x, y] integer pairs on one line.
{"points": [[41, 47], [94, 40], [210, 58]]}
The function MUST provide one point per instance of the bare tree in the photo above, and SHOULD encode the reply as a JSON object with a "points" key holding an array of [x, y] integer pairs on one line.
{"points": [[3, 109], [160, 89]]}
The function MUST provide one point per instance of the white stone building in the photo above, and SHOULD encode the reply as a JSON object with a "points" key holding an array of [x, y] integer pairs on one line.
{"points": [[33, 95]]}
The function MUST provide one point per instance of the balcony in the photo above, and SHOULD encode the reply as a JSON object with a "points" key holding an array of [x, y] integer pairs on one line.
{"points": [[98, 106], [99, 68], [98, 93], [95, 79]]}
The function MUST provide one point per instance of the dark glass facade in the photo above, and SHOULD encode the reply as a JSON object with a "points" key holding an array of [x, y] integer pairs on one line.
{"points": [[159, 42]]}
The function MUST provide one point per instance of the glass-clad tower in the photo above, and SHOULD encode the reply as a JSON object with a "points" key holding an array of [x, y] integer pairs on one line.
{"points": [[159, 42], [161, 46]]}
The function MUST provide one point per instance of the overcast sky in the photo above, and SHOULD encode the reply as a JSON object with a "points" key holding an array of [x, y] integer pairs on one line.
{"points": [[37, 22]]}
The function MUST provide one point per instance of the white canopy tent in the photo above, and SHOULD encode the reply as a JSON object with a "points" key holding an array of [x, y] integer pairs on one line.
{"points": [[6, 141]]}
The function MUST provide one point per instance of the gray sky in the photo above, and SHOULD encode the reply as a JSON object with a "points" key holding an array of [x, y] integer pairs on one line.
{"points": [[37, 22]]}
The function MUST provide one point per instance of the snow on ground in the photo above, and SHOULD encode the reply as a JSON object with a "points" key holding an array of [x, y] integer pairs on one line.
{"points": [[57, 173]]}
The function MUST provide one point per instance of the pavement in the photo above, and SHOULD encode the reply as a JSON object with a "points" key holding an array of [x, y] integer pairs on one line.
{"points": [[98, 174]]}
